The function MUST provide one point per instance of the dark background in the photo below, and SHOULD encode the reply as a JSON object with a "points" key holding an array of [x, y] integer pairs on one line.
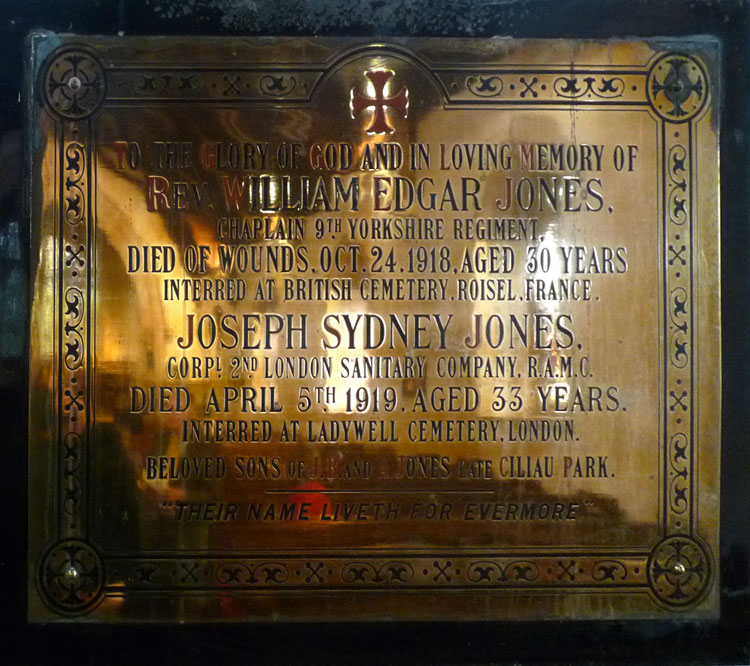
{"points": [[724, 642]]}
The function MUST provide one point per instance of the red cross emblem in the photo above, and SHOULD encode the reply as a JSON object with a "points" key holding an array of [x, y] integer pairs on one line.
{"points": [[399, 102]]}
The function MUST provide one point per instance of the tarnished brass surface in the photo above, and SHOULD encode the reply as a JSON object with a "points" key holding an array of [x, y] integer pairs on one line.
{"points": [[340, 329]]}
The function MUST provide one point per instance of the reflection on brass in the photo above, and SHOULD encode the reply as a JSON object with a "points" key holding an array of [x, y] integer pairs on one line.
{"points": [[336, 329]]}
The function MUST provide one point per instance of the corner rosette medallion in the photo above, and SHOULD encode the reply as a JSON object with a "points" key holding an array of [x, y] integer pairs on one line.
{"points": [[679, 571], [71, 577], [74, 83], [677, 87]]}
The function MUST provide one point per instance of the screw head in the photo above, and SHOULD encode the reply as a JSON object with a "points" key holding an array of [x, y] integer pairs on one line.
{"points": [[70, 574]]}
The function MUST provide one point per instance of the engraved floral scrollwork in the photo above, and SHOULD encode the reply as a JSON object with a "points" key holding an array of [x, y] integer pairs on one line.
{"points": [[74, 84], [521, 570], [679, 571], [146, 575], [277, 86], [678, 199], [273, 572], [492, 571], [75, 168], [485, 570], [609, 570], [72, 452], [485, 86], [234, 573], [150, 85], [677, 87], [74, 305], [239, 573], [603, 87], [679, 347], [678, 353], [678, 463], [71, 576], [366, 572]]}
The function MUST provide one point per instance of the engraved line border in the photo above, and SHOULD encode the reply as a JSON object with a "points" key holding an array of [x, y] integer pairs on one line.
{"points": [[90, 217]]}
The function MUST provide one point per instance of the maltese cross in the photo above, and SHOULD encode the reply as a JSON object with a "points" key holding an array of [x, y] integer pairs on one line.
{"points": [[398, 102]]}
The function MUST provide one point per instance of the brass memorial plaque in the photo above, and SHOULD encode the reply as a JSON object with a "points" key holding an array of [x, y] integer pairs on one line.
{"points": [[333, 329]]}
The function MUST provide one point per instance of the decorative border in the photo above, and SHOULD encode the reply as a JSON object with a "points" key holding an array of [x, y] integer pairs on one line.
{"points": [[459, 85], [73, 577], [680, 566], [367, 571]]}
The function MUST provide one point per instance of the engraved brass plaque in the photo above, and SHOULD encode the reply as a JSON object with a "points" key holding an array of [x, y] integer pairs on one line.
{"points": [[331, 329]]}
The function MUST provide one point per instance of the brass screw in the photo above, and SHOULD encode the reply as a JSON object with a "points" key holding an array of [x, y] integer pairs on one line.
{"points": [[70, 574]]}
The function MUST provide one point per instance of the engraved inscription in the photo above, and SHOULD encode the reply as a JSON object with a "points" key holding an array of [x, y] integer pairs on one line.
{"points": [[376, 324]]}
